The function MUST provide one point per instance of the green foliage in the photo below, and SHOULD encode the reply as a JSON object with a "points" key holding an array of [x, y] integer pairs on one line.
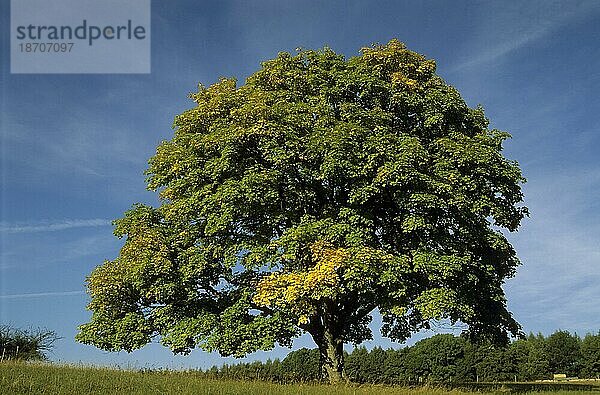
{"points": [[495, 364], [363, 366], [31, 344], [564, 352], [319, 190], [436, 359], [301, 365], [441, 359], [536, 365], [590, 356]]}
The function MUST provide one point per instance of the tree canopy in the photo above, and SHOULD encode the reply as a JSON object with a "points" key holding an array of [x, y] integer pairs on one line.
{"points": [[301, 201]]}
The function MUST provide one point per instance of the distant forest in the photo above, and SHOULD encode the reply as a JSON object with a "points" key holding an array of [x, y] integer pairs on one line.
{"points": [[443, 358]]}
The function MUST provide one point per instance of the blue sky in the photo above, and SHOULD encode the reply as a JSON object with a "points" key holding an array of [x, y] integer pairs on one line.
{"points": [[74, 147]]}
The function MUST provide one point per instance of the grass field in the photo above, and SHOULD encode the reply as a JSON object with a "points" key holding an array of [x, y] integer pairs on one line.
{"points": [[38, 378]]}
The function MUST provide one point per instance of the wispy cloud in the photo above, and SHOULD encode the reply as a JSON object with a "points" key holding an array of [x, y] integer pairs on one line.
{"points": [[503, 48], [81, 143], [84, 247], [541, 23], [52, 226], [41, 294], [557, 285]]}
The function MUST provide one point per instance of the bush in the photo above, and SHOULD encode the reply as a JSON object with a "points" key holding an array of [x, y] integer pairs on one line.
{"points": [[32, 344], [301, 365]]}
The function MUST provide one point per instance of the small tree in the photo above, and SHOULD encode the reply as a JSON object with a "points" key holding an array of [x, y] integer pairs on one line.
{"points": [[437, 359], [320, 190], [363, 366], [590, 356], [31, 344], [301, 365], [496, 364], [564, 353], [536, 366]]}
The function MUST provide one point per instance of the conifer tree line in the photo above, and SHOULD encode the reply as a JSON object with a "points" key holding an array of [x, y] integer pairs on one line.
{"points": [[443, 358]]}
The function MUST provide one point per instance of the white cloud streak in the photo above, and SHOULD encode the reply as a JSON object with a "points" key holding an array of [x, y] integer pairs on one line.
{"points": [[556, 288], [41, 294], [53, 226], [548, 21]]}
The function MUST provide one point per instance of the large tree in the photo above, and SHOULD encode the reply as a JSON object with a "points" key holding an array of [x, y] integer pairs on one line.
{"points": [[320, 190]]}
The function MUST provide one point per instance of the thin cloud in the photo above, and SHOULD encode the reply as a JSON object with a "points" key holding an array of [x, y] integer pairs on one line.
{"points": [[535, 33], [79, 248], [504, 48], [41, 294], [557, 285], [53, 226]]}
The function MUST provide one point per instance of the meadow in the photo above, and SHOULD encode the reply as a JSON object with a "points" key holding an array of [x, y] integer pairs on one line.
{"points": [[46, 378]]}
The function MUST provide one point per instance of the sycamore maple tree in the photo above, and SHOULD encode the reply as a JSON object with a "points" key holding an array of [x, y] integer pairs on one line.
{"points": [[320, 190]]}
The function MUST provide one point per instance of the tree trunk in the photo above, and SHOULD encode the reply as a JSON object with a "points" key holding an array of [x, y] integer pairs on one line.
{"points": [[331, 355]]}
